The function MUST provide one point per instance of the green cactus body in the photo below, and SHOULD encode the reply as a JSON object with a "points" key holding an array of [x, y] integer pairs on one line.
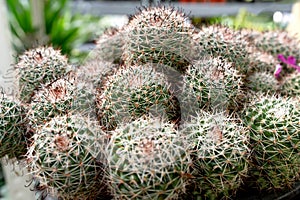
{"points": [[133, 92], [12, 129], [275, 139], [38, 67], [263, 82], [291, 85], [159, 35], [214, 83], [220, 153], [110, 45], [63, 157], [147, 160]]}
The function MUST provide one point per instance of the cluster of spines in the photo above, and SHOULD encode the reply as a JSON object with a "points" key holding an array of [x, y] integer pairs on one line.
{"points": [[159, 35], [133, 92]]}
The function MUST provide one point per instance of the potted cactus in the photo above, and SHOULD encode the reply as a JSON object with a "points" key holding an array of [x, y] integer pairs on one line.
{"points": [[159, 110]]}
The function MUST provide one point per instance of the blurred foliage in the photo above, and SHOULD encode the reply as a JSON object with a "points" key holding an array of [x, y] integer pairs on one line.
{"points": [[63, 29], [243, 19]]}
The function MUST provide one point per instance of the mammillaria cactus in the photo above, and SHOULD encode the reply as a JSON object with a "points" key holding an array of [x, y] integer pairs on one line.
{"points": [[135, 91], [12, 129], [263, 82], [63, 157], [220, 154], [148, 159], [39, 66], [214, 83], [291, 85], [159, 35], [274, 137], [159, 110]]}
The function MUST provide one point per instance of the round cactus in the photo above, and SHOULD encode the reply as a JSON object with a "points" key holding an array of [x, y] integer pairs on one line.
{"points": [[291, 85], [274, 139], [220, 154], [133, 92], [148, 159], [214, 83], [262, 82], [13, 142], [39, 66], [110, 45], [159, 35], [63, 157]]}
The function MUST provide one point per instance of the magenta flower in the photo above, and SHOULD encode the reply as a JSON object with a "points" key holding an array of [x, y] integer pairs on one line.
{"points": [[277, 71], [290, 61]]}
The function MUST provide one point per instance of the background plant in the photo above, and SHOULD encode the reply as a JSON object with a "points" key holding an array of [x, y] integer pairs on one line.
{"points": [[63, 29]]}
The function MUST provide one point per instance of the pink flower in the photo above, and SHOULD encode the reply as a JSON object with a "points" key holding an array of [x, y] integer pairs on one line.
{"points": [[290, 61]]}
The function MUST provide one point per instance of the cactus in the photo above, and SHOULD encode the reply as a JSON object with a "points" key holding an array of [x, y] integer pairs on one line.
{"points": [[51, 100], [148, 159], [220, 154], [38, 67], [263, 82], [291, 85], [133, 92], [110, 45], [159, 35], [12, 129], [275, 43], [214, 83], [159, 110], [63, 157], [274, 138]]}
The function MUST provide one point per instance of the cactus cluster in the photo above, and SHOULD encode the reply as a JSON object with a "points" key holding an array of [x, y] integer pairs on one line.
{"points": [[159, 110]]}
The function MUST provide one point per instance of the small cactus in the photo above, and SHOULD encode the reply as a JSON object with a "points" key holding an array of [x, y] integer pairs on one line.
{"points": [[220, 153], [63, 157], [38, 67], [159, 35], [214, 83], [263, 82], [274, 138], [148, 159], [133, 92], [12, 128]]}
